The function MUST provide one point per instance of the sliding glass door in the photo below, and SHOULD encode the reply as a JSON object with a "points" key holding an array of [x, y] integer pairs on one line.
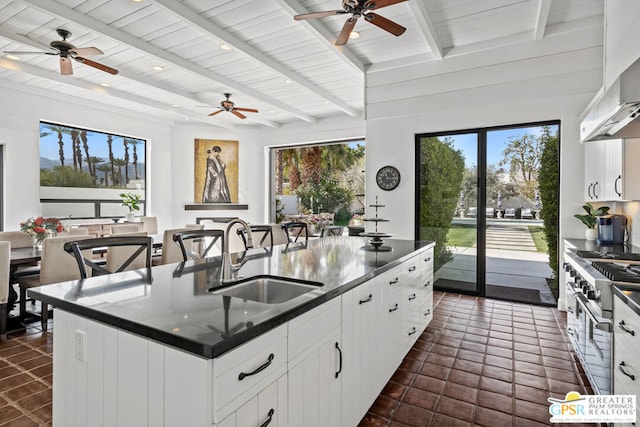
{"points": [[478, 197], [449, 199]]}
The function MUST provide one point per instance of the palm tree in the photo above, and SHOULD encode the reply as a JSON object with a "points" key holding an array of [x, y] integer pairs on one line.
{"points": [[105, 168], [134, 143], [85, 145], [111, 159], [60, 130], [75, 142], [93, 161], [125, 142], [311, 164], [291, 167], [119, 163]]}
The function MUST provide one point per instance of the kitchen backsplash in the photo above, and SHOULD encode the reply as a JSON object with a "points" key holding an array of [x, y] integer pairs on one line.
{"points": [[632, 211]]}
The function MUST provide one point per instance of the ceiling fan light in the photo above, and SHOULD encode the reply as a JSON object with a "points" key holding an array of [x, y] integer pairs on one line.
{"points": [[66, 69], [354, 35], [12, 57]]}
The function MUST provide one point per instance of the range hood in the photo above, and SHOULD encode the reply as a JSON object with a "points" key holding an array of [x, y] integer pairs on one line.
{"points": [[614, 114]]}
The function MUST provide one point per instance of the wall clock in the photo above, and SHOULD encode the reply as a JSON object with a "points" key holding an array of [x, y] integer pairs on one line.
{"points": [[388, 178]]}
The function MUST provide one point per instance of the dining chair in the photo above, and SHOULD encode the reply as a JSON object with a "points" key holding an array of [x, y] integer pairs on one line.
{"points": [[125, 252], [149, 224], [5, 264], [171, 251], [262, 236], [295, 230], [20, 239], [193, 243], [75, 231], [236, 243], [331, 230], [55, 266], [279, 235], [126, 228]]}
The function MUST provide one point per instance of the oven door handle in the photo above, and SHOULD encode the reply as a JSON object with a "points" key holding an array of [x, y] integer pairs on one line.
{"points": [[603, 325]]}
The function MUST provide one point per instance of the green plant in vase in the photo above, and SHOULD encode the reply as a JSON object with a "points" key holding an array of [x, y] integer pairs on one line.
{"points": [[131, 201], [590, 219]]}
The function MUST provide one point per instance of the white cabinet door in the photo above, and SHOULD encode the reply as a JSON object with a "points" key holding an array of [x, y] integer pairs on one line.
{"points": [[315, 384], [591, 170], [268, 408], [362, 350]]}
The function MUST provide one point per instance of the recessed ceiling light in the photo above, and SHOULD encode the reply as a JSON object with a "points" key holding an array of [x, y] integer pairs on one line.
{"points": [[175, 105], [287, 81], [225, 46], [354, 35], [158, 67], [105, 84], [13, 57], [271, 111], [137, 1]]}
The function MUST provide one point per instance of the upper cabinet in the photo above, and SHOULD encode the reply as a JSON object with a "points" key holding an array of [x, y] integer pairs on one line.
{"points": [[611, 170]]}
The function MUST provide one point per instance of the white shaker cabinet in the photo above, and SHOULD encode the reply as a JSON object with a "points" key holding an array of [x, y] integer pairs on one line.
{"points": [[626, 341], [315, 364], [611, 170], [362, 350]]}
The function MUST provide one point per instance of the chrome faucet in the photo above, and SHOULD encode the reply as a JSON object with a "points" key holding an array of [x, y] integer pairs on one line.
{"points": [[229, 268]]}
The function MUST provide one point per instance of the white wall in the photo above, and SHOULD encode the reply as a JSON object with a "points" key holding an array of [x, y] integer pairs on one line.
{"points": [[622, 33], [20, 114]]}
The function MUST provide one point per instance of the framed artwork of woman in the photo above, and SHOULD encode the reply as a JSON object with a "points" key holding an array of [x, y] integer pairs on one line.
{"points": [[216, 171]]}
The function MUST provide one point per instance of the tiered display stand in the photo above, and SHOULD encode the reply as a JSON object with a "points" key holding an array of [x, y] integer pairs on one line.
{"points": [[375, 242]]}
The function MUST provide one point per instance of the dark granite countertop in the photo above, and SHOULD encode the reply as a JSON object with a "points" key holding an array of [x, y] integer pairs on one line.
{"points": [[172, 304], [593, 245]]}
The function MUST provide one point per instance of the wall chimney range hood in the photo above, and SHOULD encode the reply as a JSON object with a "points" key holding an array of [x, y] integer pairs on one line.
{"points": [[614, 114]]}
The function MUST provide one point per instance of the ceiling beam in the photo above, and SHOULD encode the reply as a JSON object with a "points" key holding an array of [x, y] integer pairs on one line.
{"points": [[83, 84], [185, 14], [324, 36], [541, 19], [421, 14], [121, 37], [123, 72]]}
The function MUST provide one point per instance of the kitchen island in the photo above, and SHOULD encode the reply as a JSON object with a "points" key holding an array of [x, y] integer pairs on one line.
{"points": [[156, 347]]}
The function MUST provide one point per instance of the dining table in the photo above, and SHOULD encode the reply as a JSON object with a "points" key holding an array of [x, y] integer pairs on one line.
{"points": [[29, 257]]}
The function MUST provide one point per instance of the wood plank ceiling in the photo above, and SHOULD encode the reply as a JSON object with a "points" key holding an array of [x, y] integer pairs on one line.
{"points": [[289, 70]]}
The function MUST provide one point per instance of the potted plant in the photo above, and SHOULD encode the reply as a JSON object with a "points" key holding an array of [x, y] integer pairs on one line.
{"points": [[132, 201], [590, 219]]}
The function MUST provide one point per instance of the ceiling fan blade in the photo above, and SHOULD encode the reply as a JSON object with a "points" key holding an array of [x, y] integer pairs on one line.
{"points": [[379, 4], [318, 14], [20, 52], [96, 65], [242, 116], [347, 28], [385, 24], [216, 112], [86, 51], [248, 110]]}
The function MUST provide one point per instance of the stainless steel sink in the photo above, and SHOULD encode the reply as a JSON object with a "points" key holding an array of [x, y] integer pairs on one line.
{"points": [[268, 289]]}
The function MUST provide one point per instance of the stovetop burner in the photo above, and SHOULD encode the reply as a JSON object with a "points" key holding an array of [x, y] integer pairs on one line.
{"points": [[618, 272], [623, 256]]}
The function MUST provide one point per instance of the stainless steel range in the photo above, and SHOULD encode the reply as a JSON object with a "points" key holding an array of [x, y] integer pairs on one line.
{"points": [[590, 276]]}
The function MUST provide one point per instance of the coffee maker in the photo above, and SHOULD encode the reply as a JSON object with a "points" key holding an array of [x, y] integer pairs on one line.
{"points": [[612, 229]]}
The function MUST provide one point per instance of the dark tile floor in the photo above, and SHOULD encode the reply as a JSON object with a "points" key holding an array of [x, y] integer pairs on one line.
{"points": [[480, 362]]}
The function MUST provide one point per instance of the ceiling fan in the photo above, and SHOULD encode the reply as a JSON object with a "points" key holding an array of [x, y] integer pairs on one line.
{"points": [[228, 105], [357, 9], [66, 51]]}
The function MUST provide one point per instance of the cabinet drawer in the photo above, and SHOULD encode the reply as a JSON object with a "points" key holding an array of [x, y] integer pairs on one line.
{"points": [[242, 372], [426, 261]]}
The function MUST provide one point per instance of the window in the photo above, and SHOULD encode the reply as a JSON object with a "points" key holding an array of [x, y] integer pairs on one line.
{"points": [[82, 172]]}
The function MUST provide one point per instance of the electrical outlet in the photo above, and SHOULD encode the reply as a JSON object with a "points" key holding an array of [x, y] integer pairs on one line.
{"points": [[81, 345]]}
